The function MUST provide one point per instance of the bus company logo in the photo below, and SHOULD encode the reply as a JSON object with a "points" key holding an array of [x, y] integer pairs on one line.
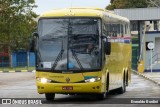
{"points": [[67, 80], [6, 101]]}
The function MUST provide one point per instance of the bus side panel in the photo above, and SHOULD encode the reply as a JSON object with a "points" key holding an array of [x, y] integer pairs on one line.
{"points": [[118, 62]]}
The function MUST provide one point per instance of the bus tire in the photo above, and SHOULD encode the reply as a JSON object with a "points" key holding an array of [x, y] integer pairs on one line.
{"points": [[127, 79], [50, 96], [101, 96], [107, 85], [122, 89]]}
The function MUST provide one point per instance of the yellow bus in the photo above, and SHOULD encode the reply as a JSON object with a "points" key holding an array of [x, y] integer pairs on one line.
{"points": [[82, 51]]}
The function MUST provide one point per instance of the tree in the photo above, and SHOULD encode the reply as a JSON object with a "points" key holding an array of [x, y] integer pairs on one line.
{"points": [[138, 3], [121, 4], [154, 3], [17, 23]]}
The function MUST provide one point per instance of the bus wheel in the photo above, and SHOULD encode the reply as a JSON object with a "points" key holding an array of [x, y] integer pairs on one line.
{"points": [[101, 96], [122, 89], [107, 85], [127, 79], [50, 96]]}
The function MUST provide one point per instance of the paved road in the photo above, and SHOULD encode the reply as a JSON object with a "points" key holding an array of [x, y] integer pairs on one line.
{"points": [[22, 85]]}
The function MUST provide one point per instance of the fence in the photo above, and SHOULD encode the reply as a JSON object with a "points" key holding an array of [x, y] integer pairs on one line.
{"points": [[21, 60], [155, 60]]}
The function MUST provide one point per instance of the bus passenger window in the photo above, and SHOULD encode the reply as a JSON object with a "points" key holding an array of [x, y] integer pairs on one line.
{"points": [[118, 29], [115, 30], [122, 33], [108, 30], [125, 28], [104, 30]]}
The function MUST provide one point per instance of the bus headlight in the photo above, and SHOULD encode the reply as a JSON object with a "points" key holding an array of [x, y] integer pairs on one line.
{"points": [[44, 80], [93, 79]]}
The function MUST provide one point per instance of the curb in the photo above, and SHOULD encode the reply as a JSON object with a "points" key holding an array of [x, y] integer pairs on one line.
{"points": [[18, 71], [156, 82]]}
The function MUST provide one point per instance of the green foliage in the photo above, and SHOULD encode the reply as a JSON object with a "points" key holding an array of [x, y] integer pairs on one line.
{"points": [[121, 4], [16, 23], [154, 3], [138, 3]]}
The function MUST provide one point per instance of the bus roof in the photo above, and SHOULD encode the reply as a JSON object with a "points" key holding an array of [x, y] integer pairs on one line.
{"points": [[82, 12]]}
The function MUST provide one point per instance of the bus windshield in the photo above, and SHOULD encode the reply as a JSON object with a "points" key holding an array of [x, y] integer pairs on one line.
{"points": [[69, 44]]}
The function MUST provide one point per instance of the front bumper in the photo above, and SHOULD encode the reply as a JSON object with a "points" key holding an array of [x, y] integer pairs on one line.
{"points": [[93, 87]]}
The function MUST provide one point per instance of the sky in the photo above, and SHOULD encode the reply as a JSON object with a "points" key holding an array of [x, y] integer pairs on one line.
{"points": [[45, 5]]}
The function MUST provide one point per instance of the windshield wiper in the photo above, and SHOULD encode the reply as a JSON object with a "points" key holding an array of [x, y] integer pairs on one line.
{"points": [[58, 57], [79, 63]]}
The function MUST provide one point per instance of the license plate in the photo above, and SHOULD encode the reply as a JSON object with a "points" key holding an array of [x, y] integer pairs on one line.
{"points": [[67, 88]]}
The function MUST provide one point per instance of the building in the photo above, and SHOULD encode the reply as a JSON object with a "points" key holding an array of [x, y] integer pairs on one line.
{"points": [[145, 28]]}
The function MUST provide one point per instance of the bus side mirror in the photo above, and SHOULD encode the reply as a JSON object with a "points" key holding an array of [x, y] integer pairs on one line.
{"points": [[32, 45], [35, 34], [107, 46], [33, 41]]}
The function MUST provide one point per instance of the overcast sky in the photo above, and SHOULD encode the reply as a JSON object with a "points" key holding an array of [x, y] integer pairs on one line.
{"points": [[45, 5]]}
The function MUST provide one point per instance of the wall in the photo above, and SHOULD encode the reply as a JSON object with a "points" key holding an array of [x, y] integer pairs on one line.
{"points": [[152, 36], [20, 59], [31, 59]]}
